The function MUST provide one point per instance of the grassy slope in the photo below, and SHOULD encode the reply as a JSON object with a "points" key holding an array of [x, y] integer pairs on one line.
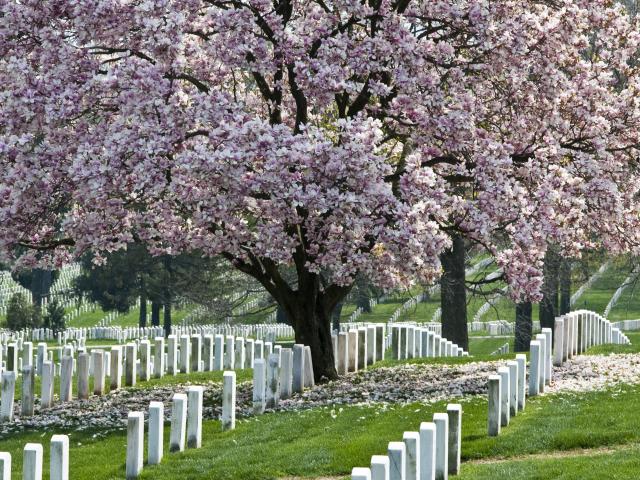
{"points": [[597, 297]]}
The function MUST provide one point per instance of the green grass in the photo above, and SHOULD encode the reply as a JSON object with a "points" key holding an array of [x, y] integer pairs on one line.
{"points": [[485, 346], [597, 297]]}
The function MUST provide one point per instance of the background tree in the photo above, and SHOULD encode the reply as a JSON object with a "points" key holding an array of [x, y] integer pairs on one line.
{"points": [[54, 316], [21, 313], [38, 281]]}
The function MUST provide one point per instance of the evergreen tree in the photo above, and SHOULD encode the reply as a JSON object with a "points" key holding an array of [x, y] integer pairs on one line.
{"points": [[21, 314]]}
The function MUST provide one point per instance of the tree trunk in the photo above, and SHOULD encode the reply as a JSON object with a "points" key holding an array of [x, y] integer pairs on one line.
{"points": [[335, 317], [362, 294], [524, 326], [309, 309], [142, 319], [565, 286], [155, 313], [281, 316], [453, 294], [167, 318], [41, 281], [549, 303], [313, 329]]}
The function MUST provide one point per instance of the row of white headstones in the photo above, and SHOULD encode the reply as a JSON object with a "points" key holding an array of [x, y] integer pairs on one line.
{"points": [[186, 430], [573, 334], [434, 452], [186, 417], [100, 364]]}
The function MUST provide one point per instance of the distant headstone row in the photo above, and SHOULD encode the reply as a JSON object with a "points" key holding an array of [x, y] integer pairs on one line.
{"points": [[139, 360], [265, 331], [503, 350], [415, 341]]}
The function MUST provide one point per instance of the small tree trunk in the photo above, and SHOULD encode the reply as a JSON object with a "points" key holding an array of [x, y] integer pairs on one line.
{"points": [[142, 319], [281, 316], [565, 286], [155, 313], [549, 303], [167, 318], [453, 294], [524, 326], [362, 294], [335, 317]]}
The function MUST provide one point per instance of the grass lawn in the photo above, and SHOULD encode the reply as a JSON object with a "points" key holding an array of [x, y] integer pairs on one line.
{"points": [[485, 346], [597, 297]]}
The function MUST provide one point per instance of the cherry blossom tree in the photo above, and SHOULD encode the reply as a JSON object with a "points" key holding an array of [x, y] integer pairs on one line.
{"points": [[332, 137]]}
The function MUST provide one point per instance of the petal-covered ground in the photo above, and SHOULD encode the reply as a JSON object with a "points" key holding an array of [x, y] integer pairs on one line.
{"points": [[398, 384]]}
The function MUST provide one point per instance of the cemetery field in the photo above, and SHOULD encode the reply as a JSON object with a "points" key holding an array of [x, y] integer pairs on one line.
{"points": [[486, 346], [581, 436], [597, 297], [129, 319]]}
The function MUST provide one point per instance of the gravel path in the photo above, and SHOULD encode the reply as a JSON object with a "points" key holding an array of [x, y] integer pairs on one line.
{"points": [[400, 384]]}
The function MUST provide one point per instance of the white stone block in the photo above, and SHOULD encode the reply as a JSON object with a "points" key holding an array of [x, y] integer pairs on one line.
{"points": [[156, 432], [521, 358], [495, 405], [397, 461], [360, 473], [178, 422], [228, 400], [441, 421], [505, 392], [379, 467], [59, 462], [259, 386], [454, 411], [412, 455], [5, 465], [32, 462], [194, 416], [427, 451], [135, 444]]}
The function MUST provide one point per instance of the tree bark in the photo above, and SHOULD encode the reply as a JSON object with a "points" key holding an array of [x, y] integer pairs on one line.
{"points": [[167, 318], [453, 294], [155, 313], [281, 316], [524, 326], [565, 286], [312, 325], [549, 303], [41, 281], [335, 317], [308, 303], [362, 294], [142, 319]]}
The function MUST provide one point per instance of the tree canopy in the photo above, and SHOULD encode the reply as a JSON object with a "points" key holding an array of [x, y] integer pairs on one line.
{"points": [[338, 137]]}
